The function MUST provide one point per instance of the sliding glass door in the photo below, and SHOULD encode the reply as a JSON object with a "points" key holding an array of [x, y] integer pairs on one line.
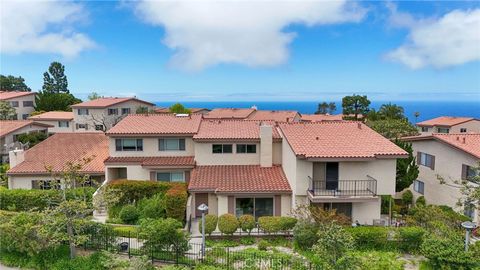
{"points": [[257, 207]]}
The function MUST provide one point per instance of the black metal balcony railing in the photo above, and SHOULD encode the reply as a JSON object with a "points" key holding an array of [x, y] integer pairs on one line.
{"points": [[343, 188]]}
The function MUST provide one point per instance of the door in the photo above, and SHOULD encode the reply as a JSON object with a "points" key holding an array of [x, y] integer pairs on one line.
{"points": [[331, 175], [318, 182], [199, 199]]}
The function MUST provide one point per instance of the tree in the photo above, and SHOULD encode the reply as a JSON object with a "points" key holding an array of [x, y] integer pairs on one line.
{"points": [[93, 96], [324, 108], [407, 168], [6, 111], [356, 105], [32, 138], [106, 121], [391, 111], [179, 108], [393, 128], [47, 102], [3, 175], [55, 80], [12, 83]]}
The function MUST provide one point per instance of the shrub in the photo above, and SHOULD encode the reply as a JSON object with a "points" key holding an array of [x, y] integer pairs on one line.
{"points": [[370, 238], [210, 224], [407, 197], [287, 223], [128, 191], [410, 238], [162, 234], [126, 231], [378, 260], [333, 246], [153, 207], [176, 202], [270, 224], [421, 201], [247, 223], [129, 214], [228, 224], [305, 234], [263, 245], [247, 240]]}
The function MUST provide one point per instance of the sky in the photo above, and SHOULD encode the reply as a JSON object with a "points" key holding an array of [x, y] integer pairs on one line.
{"points": [[248, 50]]}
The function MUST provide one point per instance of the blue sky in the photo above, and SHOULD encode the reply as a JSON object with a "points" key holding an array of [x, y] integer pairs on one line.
{"points": [[215, 51]]}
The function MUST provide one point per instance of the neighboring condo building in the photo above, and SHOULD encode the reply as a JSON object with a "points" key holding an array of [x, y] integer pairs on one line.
{"points": [[11, 129], [60, 121], [253, 114], [321, 117], [451, 157], [449, 124], [22, 102], [103, 113]]}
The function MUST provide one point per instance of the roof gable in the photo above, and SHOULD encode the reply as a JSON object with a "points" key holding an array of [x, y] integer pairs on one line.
{"points": [[445, 121], [9, 126], [5, 95], [107, 102]]}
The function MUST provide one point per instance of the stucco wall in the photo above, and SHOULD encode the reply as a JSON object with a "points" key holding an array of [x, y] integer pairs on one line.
{"points": [[471, 126], [289, 166], [277, 153], [20, 110], [366, 212], [286, 205], [204, 155], [222, 205], [150, 148], [56, 128]]}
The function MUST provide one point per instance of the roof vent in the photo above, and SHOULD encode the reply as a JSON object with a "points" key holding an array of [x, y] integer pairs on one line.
{"points": [[359, 125], [317, 138], [182, 115], [464, 139], [458, 138]]}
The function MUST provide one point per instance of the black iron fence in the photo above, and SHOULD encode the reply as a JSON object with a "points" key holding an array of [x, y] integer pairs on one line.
{"points": [[191, 254], [339, 188]]}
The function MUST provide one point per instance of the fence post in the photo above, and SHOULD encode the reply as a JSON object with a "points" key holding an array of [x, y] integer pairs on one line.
{"points": [[228, 258], [151, 250], [129, 243]]}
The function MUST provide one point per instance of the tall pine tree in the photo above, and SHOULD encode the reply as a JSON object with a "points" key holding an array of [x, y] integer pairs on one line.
{"points": [[55, 80]]}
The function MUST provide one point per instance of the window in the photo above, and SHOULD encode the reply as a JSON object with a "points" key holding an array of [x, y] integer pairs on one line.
{"points": [[81, 126], [129, 144], [246, 148], [25, 116], [258, 207], [99, 127], [424, 129], [63, 124], [28, 104], [171, 144], [14, 104], [45, 184], [341, 208], [125, 110], [426, 160], [171, 176], [82, 111], [112, 111], [419, 186], [221, 148], [468, 172], [463, 130], [443, 130]]}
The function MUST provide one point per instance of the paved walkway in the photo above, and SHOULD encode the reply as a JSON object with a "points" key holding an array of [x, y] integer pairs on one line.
{"points": [[3, 267]]}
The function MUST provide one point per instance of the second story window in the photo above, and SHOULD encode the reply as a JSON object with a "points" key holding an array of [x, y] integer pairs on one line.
{"points": [[426, 160], [28, 103], [129, 144], [14, 104], [424, 129], [125, 110], [171, 144], [25, 116], [246, 148], [112, 111], [443, 130], [419, 186], [82, 111], [222, 148], [99, 127], [463, 130], [63, 124]]}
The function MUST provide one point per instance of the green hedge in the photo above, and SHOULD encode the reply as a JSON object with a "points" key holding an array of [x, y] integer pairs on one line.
{"points": [[247, 223], [410, 238], [210, 224], [129, 191], [271, 224], [176, 202], [31, 199], [370, 238], [228, 224]]}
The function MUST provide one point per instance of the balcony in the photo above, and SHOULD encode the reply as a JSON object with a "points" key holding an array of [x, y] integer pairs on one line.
{"points": [[342, 189]]}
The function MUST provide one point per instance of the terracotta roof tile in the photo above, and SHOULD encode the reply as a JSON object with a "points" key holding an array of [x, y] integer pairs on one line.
{"points": [[277, 116], [61, 148], [5, 95], [446, 121], [321, 117], [232, 129], [9, 126], [239, 179], [469, 143], [337, 139], [229, 113], [154, 161], [106, 102], [53, 116], [152, 124]]}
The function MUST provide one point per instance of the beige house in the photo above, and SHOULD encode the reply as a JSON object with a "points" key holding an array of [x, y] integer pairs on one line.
{"points": [[28, 168], [103, 113], [22, 102], [449, 124], [60, 121], [450, 157], [11, 129]]}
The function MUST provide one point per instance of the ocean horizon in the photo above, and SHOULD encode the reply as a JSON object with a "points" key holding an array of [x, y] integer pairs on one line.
{"points": [[427, 109]]}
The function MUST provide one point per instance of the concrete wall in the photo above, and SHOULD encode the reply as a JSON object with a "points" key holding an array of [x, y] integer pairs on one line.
{"points": [[56, 128], [204, 155], [21, 110], [366, 212], [277, 153], [471, 126], [150, 148], [222, 205]]}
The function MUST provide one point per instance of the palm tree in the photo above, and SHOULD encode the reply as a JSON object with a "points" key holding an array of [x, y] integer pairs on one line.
{"points": [[416, 114], [391, 111]]}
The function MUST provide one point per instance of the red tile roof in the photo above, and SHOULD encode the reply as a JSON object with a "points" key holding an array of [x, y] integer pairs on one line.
{"points": [[469, 143], [321, 117], [53, 116], [107, 102], [445, 121], [239, 179], [229, 113], [9, 126], [5, 95], [176, 161], [338, 139], [153, 124], [167, 110], [61, 148], [277, 116], [232, 130]]}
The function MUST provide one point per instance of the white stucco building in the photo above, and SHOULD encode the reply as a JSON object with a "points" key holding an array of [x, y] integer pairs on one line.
{"points": [[22, 102]]}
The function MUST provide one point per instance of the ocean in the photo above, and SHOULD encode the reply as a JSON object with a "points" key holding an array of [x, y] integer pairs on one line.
{"points": [[427, 109]]}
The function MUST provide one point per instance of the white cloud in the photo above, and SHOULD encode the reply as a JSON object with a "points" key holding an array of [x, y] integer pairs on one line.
{"points": [[451, 40], [251, 33], [42, 27]]}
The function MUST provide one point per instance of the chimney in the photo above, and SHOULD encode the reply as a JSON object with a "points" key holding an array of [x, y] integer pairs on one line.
{"points": [[16, 157], [266, 145]]}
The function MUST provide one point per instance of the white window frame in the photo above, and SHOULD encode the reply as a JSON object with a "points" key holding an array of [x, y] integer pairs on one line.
{"points": [[82, 111], [63, 122], [165, 143], [246, 148], [223, 146], [170, 176], [29, 103], [15, 104], [463, 130], [126, 111], [443, 130], [138, 146]]}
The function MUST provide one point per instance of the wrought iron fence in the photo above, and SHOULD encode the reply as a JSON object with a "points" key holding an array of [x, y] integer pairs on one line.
{"points": [[338, 188]]}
